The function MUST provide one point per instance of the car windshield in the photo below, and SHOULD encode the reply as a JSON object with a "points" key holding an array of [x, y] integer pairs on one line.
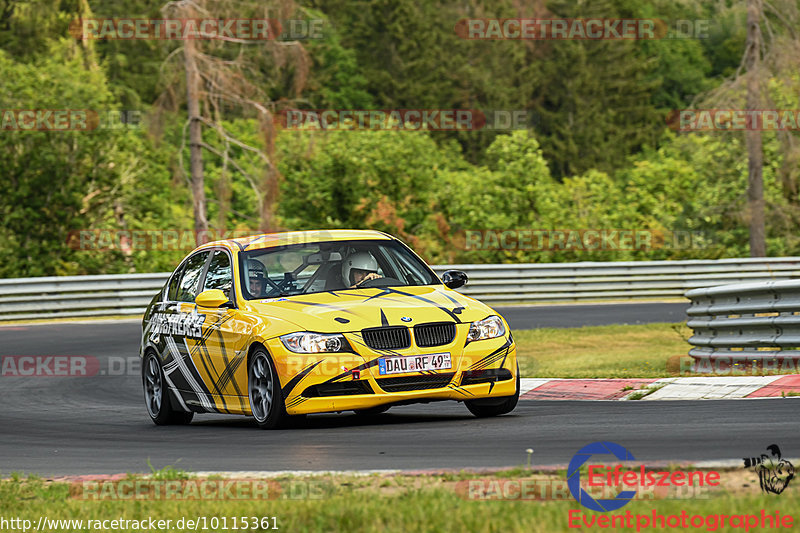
{"points": [[330, 266]]}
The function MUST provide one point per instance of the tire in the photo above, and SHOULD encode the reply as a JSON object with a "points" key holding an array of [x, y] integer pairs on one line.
{"points": [[264, 391], [487, 407], [156, 395]]}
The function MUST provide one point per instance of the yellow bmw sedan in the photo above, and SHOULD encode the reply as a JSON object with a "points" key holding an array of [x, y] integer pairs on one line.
{"points": [[281, 325]]}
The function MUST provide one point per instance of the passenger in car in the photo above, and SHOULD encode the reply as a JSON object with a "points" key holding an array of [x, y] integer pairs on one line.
{"points": [[256, 275]]}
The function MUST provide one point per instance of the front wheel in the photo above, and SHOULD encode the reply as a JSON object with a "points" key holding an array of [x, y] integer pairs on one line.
{"points": [[156, 396], [486, 407], [266, 397]]}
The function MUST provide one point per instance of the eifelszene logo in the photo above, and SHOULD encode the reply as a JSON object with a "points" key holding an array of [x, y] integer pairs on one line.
{"points": [[574, 476], [609, 480], [774, 472]]}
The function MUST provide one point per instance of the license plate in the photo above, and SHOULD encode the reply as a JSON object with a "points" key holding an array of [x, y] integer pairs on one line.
{"points": [[413, 363]]}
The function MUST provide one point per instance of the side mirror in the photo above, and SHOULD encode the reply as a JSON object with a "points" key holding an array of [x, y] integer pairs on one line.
{"points": [[454, 279], [212, 298]]}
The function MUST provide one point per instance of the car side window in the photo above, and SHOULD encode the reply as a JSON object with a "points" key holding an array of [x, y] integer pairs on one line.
{"points": [[220, 274], [187, 290], [174, 283]]}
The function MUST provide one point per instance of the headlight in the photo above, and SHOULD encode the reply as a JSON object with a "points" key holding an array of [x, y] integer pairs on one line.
{"points": [[306, 342], [488, 328]]}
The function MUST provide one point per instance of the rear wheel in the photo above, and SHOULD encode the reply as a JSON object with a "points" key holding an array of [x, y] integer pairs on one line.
{"points": [[266, 397], [156, 395], [486, 407]]}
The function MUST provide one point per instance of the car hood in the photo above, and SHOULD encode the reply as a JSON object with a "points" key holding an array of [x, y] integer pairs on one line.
{"points": [[356, 309]]}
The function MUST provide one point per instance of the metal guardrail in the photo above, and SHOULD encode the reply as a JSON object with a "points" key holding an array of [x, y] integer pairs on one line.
{"points": [[756, 322], [129, 294], [78, 296]]}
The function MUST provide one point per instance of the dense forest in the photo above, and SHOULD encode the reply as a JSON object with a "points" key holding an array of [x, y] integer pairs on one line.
{"points": [[598, 150]]}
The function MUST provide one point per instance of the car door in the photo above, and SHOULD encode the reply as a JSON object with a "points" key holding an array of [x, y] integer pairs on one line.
{"points": [[183, 332], [220, 355]]}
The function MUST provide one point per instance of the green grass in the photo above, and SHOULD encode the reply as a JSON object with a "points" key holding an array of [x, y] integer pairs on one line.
{"points": [[375, 503], [645, 391], [167, 473], [640, 351]]}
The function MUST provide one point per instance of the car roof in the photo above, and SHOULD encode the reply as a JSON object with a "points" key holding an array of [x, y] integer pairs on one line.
{"points": [[269, 240]]}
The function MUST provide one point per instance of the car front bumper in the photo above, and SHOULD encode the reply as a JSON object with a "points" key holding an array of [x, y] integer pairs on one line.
{"points": [[318, 383]]}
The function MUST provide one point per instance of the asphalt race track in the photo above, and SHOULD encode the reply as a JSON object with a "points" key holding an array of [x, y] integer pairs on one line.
{"points": [[74, 425]]}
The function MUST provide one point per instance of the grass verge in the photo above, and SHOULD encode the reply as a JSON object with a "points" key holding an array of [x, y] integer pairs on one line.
{"points": [[638, 351], [618, 351], [398, 503]]}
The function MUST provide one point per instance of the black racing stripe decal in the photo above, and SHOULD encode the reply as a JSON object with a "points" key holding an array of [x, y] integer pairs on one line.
{"points": [[296, 401], [227, 377], [383, 292], [317, 304], [459, 389], [231, 364], [186, 355], [452, 299], [287, 389], [459, 306], [486, 361], [497, 354], [189, 392], [230, 369], [200, 351], [384, 320], [259, 238], [345, 292], [453, 315], [365, 366]]}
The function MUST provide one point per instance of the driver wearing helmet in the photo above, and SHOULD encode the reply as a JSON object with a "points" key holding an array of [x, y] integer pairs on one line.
{"points": [[256, 276], [358, 268]]}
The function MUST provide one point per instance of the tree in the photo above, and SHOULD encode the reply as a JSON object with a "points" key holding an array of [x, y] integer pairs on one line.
{"points": [[224, 74], [592, 98], [755, 151], [771, 46], [54, 182]]}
